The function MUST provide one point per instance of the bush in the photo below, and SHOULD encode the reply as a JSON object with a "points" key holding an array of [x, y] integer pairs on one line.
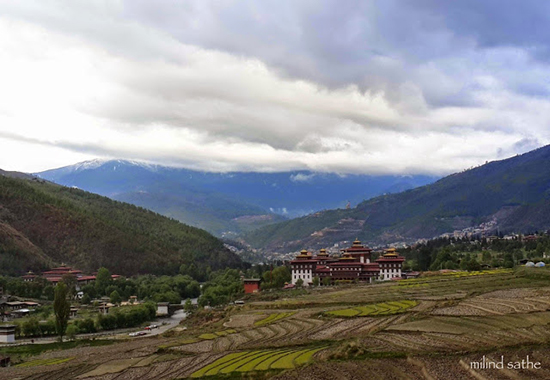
{"points": [[107, 322], [31, 327], [86, 326], [47, 328], [125, 318], [71, 332]]}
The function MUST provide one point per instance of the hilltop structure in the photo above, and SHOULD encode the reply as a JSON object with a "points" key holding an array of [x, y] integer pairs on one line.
{"points": [[354, 264]]}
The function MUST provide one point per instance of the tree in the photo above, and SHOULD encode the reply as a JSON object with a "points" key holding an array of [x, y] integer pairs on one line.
{"points": [[169, 296], [61, 308], [299, 283], [276, 278], [31, 327], [473, 265], [72, 330], [102, 280], [86, 326], [49, 292], [540, 250], [86, 299], [89, 289], [326, 281], [316, 281], [71, 282], [115, 297], [188, 306]]}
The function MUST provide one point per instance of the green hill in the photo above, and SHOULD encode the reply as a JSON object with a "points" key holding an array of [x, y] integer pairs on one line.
{"points": [[43, 224], [512, 194]]}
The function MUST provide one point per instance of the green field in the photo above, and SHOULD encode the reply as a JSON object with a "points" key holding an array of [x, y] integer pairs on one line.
{"points": [[247, 361], [272, 318], [379, 309], [40, 362]]}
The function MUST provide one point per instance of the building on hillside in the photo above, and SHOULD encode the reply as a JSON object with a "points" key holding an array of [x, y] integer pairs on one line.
{"points": [[354, 264], [54, 275], [251, 285], [29, 277]]}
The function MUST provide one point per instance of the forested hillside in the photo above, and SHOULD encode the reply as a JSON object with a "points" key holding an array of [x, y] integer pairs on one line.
{"points": [[43, 224], [512, 194], [226, 203]]}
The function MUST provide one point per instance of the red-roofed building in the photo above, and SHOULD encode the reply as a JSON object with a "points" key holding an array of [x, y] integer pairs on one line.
{"points": [[359, 251], [29, 277], [354, 264], [54, 275]]}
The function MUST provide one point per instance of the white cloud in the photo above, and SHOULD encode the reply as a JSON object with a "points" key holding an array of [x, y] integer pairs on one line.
{"points": [[301, 177], [86, 80]]}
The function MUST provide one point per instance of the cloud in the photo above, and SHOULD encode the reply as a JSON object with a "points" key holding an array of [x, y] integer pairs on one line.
{"points": [[355, 87], [301, 177]]}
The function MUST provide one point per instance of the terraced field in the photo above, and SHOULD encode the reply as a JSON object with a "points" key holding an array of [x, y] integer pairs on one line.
{"points": [[272, 318], [43, 362], [386, 308], [426, 328], [247, 361], [501, 302]]}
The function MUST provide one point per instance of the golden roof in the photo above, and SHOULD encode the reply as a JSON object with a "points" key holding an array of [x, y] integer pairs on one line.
{"points": [[304, 254], [347, 256]]}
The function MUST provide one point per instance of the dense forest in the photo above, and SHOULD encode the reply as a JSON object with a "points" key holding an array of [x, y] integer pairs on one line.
{"points": [[42, 224]]}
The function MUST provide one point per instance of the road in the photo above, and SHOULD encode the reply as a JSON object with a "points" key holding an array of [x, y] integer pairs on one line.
{"points": [[164, 324]]}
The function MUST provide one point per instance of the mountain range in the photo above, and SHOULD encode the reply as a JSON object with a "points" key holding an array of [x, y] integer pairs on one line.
{"points": [[44, 224], [226, 204], [507, 195]]}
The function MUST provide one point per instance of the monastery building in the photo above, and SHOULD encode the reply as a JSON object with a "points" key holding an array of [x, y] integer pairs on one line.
{"points": [[354, 264]]}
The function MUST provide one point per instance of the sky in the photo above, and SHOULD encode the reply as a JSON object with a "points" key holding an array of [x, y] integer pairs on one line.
{"points": [[344, 86]]}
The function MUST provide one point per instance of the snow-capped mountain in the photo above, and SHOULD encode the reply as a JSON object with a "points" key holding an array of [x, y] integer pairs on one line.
{"points": [[221, 202]]}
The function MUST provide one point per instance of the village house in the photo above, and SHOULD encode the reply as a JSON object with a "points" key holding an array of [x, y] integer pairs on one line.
{"points": [[354, 264], [251, 285]]}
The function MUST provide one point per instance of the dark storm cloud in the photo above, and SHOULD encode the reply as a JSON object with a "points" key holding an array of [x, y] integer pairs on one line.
{"points": [[495, 23]]}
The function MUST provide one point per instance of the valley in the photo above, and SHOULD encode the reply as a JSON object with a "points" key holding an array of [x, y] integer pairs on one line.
{"points": [[431, 327], [226, 204], [253, 190]]}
